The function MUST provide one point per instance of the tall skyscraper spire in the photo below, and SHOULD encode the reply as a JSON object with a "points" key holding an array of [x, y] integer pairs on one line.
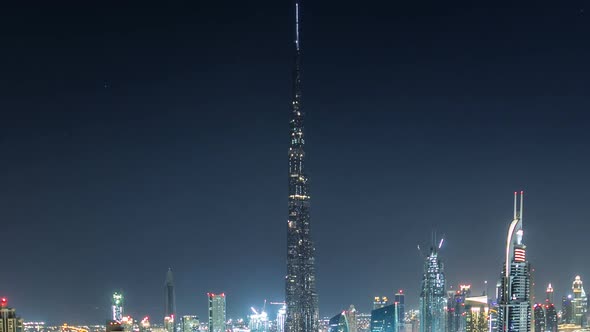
{"points": [[301, 296], [515, 307]]}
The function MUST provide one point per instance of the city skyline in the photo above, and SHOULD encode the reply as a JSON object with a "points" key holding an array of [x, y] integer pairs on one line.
{"points": [[121, 121]]}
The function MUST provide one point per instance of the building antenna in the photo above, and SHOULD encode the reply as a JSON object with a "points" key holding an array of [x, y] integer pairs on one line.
{"points": [[515, 195], [521, 205], [297, 26]]}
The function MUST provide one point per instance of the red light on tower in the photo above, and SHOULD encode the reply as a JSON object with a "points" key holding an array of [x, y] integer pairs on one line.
{"points": [[4, 302]]}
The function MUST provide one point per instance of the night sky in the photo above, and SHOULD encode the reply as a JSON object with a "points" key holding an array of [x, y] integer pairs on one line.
{"points": [[136, 137]]}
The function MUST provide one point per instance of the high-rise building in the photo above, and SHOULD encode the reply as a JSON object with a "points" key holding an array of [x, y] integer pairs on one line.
{"points": [[567, 310], [400, 298], [515, 307], [190, 323], [380, 302], [117, 307], [539, 314], [170, 310], [456, 309], [550, 318], [549, 292], [351, 318], [301, 296], [476, 314], [339, 323], [144, 325], [579, 303], [9, 321], [385, 319], [281, 314], [216, 312], [433, 302]]}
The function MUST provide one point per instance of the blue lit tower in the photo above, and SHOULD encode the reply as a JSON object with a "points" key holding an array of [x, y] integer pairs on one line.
{"points": [[117, 307], [515, 307], [301, 296], [433, 302]]}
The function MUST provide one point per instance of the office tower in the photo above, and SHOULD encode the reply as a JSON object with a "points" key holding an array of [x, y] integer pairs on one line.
{"points": [[550, 318], [301, 296], [338, 323], [433, 302], [169, 294], [476, 314], [169, 323], [9, 321], [567, 310], [190, 323], [216, 312], [351, 319], [363, 322], [579, 303], [456, 310], [282, 313], [380, 302], [258, 321], [400, 298], [117, 307], [385, 319], [539, 314], [515, 308], [549, 293]]}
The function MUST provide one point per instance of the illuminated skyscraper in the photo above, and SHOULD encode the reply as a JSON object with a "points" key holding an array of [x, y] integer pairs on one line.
{"points": [[351, 319], [385, 319], [145, 325], [567, 310], [216, 312], [550, 318], [515, 308], [281, 319], [549, 293], [190, 323], [380, 302], [539, 314], [339, 323], [169, 323], [117, 307], [9, 322], [400, 298], [301, 296], [433, 302], [169, 294], [476, 314], [579, 303]]}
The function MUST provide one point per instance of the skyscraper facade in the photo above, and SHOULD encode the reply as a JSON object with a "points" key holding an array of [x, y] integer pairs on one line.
{"points": [[190, 323], [579, 302], [515, 308], [539, 314], [216, 312], [385, 319], [117, 307], [9, 322], [433, 302], [170, 297], [400, 298], [380, 302], [550, 318], [339, 323], [549, 294], [301, 296], [476, 314], [567, 310]]}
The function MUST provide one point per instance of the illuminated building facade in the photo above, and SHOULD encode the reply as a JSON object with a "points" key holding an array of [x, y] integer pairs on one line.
{"points": [[551, 322], [456, 310], [539, 314], [567, 310], [380, 302], [339, 323], [549, 294], [9, 321], [515, 307], [476, 314], [400, 299], [385, 319], [169, 323], [144, 325], [433, 302], [281, 314], [216, 312], [170, 296], [579, 302], [190, 323], [300, 288], [117, 307]]}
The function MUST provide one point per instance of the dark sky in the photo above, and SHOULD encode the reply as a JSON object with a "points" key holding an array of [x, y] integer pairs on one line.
{"points": [[136, 137]]}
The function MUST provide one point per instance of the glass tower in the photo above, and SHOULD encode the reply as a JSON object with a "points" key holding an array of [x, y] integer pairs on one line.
{"points": [[216, 312], [579, 303], [515, 307], [170, 296], [385, 319], [433, 302], [301, 296]]}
